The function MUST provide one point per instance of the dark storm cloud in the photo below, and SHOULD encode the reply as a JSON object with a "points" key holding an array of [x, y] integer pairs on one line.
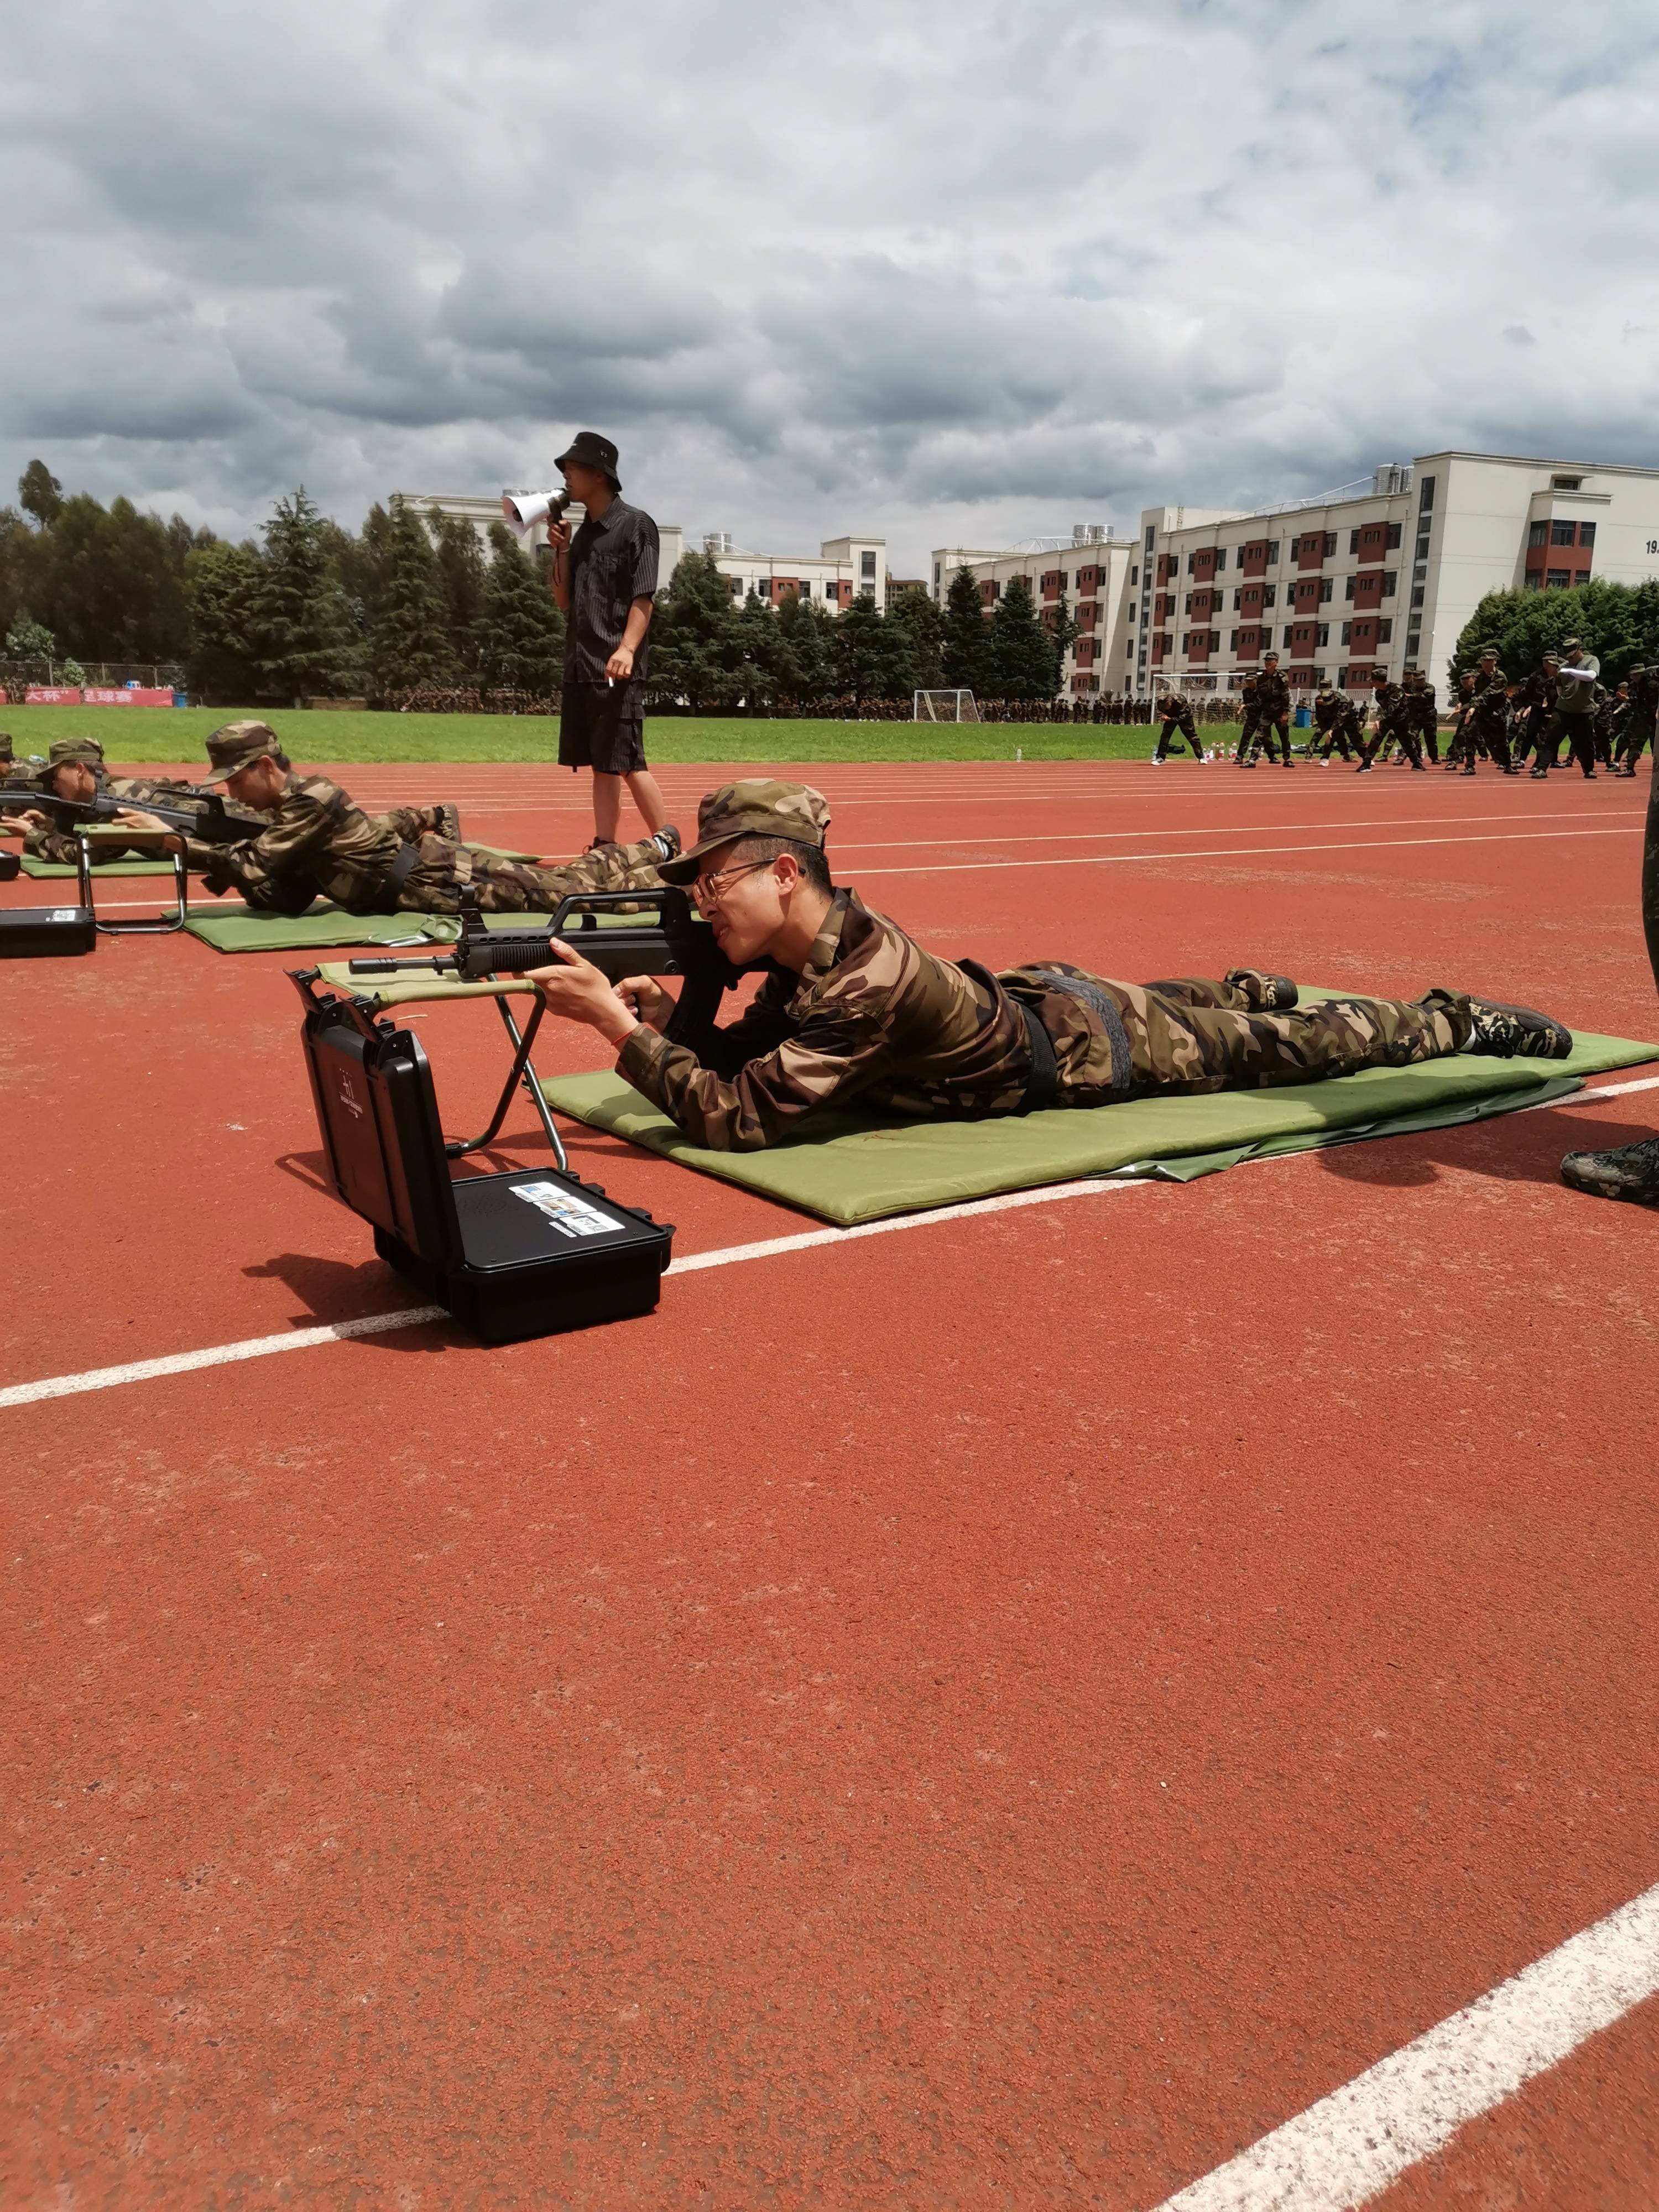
{"points": [[953, 271]]}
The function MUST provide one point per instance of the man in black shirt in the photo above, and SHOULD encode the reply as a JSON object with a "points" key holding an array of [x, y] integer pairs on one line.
{"points": [[604, 578]]}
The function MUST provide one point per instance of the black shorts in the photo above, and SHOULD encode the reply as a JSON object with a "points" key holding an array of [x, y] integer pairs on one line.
{"points": [[602, 725]]}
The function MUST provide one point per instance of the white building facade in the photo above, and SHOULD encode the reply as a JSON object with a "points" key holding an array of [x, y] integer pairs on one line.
{"points": [[1376, 579], [1088, 579], [840, 570]]}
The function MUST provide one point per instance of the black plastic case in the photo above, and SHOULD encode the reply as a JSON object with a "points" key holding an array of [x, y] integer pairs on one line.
{"points": [[46, 932], [508, 1267]]}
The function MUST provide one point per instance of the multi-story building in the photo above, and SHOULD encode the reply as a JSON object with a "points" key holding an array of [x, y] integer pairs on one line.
{"points": [[1378, 576], [1086, 579], [841, 569]]}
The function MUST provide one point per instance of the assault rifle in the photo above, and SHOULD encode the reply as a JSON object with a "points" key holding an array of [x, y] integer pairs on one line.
{"points": [[206, 818], [675, 943]]}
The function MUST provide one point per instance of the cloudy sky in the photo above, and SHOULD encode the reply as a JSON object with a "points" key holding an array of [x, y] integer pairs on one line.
{"points": [[959, 272]]}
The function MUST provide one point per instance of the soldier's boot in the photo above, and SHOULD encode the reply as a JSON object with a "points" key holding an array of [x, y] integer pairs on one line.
{"points": [[1631, 1172], [1502, 1032], [1262, 994]]}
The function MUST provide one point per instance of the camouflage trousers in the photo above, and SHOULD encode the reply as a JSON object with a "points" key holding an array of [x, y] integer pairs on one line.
{"points": [[1259, 732], [1174, 731], [1394, 733], [1191, 1035], [446, 871]]}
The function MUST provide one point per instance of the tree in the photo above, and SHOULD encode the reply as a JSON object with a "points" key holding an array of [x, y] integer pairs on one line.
{"points": [[223, 588], [39, 493], [760, 657], [965, 651], [461, 574], [109, 582], [922, 620], [696, 652], [872, 658], [305, 638], [1617, 623], [1024, 664], [805, 649], [520, 631], [29, 640], [410, 641]]}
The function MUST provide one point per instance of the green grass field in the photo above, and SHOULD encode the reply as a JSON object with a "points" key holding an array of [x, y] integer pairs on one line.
{"points": [[143, 733]]}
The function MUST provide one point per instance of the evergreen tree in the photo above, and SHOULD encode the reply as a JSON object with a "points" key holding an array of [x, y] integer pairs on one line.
{"points": [[461, 570], [1619, 623], [758, 645], [965, 651], [805, 650], [696, 649], [873, 656], [39, 493], [411, 632], [304, 639], [520, 631], [922, 621], [223, 588], [1024, 664]]}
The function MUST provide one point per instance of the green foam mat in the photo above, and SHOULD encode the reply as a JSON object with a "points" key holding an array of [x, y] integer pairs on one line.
{"points": [[99, 870], [849, 1168]]}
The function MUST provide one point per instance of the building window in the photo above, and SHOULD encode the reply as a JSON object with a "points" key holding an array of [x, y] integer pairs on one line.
{"points": [[1326, 586], [1150, 535], [1423, 546], [1323, 635], [1587, 533], [1561, 533], [1272, 552], [1565, 484], [867, 566], [1417, 594], [1232, 641], [1390, 578], [1425, 494], [1348, 588], [1215, 640], [1394, 535], [1537, 532], [1220, 559], [1134, 578], [1558, 580], [1353, 541], [1385, 631], [1534, 579], [1129, 648], [737, 588], [1330, 542], [1347, 633]]}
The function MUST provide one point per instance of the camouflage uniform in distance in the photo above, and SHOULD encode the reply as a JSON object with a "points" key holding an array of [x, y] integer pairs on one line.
{"points": [[1638, 725], [1601, 731], [1423, 711], [1490, 720], [1272, 712], [1534, 709], [876, 1023], [15, 774], [1463, 746], [1248, 716], [1335, 721], [1177, 715], [1393, 723]]}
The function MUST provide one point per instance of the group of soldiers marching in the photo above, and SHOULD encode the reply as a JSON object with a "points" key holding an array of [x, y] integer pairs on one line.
{"points": [[1498, 717]]}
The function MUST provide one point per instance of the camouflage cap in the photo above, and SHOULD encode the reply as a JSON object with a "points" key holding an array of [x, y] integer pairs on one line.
{"points": [[1573, 644], [74, 752], [1487, 652], [1640, 669], [1267, 657], [754, 808], [1553, 659], [238, 745]]}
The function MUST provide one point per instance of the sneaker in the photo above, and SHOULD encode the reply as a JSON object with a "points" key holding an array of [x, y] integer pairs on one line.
{"points": [[668, 842], [1632, 1172], [1516, 1033]]}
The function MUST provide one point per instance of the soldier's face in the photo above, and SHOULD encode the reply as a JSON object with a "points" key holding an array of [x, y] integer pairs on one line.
{"points": [[752, 905], [74, 780], [257, 785]]}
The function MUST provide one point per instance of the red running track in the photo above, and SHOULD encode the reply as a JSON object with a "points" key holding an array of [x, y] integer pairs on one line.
{"points": [[999, 1714]]}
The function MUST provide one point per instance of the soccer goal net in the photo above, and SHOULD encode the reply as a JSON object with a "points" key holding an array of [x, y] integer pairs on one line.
{"points": [[946, 707]]}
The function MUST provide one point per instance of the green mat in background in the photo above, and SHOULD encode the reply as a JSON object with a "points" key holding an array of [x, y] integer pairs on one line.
{"points": [[853, 1168]]}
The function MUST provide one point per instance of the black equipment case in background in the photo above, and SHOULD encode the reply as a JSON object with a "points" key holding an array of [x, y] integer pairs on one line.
{"points": [[46, 932], [525, 1253]]}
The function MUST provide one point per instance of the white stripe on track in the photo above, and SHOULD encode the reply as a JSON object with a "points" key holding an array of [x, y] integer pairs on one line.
{"points": [[1349, 2147], [304, 1339]]}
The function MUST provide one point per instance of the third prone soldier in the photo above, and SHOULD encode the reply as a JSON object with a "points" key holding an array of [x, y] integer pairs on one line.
{"points": [[316, 844]]}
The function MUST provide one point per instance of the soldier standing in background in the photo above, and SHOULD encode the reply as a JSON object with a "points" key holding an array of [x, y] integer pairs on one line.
{"points": [[1177, 715], [1393, 726], [1462, 750], [1638, 729], [1273, 712], [1610, 726], [1491, 712], [1574, 718], [1423, 711], [1247, 701], [1535, 708]]}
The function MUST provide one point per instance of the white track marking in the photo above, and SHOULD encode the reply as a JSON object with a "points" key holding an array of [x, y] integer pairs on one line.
{"points": [[771, 1248], [1349, 2147], [1124, 860]]}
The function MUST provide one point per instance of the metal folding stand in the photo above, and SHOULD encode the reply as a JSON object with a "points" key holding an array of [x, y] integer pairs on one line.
{"points": [[521, 1072], [162, 924]]}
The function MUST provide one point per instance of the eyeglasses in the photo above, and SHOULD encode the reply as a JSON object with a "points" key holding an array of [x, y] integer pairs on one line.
{"points": [[711, 890]]}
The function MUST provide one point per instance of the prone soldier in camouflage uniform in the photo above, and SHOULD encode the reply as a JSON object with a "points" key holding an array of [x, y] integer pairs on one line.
{"points": [[1639, 724], [1271, 711], [74, 771], [1333, 718], [856, 1013], [1177, 715], [313, 843]]}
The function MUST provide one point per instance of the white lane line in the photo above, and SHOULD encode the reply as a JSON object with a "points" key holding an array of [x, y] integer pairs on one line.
{"points": [[1349, 2147], [1243, 852], [303, 1340], [1122, 860]]}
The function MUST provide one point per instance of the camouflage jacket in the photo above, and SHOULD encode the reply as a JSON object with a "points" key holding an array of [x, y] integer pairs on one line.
{"points": [[1328, 709], [1424, 705], [1537, 690], [1177, 708], [874, 1022], [1490, 699], [1645, 699], [61, 845], [1272, 696], [1392, 708], [317, 844]]}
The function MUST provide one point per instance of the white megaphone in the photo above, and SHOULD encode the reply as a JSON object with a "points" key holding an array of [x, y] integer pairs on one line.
{"points": [[524, 509]]}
